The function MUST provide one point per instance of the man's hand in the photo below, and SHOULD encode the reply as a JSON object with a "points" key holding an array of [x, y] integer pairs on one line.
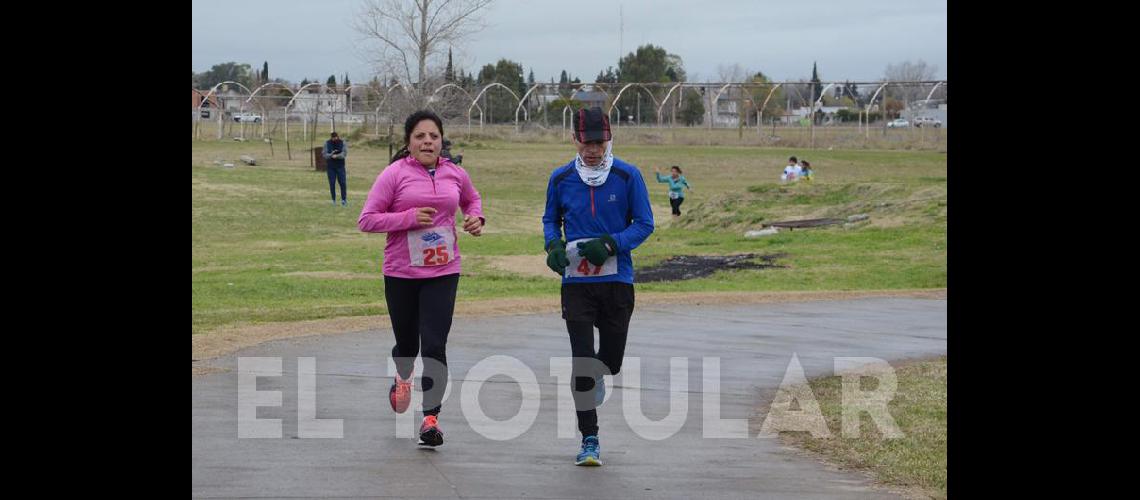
{"points": [[423, 215], [473, 225], [556, 257], [597, 251]]}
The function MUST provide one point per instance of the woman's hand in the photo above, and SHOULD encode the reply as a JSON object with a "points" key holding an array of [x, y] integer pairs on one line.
{"points": [[423, 215], [473, 225]]}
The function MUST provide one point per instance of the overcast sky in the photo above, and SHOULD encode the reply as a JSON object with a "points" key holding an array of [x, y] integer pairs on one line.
{"points": [[849, 40]]}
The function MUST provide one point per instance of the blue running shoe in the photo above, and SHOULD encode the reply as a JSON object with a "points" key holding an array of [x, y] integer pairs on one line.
{"points": [[591, 452]]}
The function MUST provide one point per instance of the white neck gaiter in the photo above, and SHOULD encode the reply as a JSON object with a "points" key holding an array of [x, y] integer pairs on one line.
{"points": [[596, 176]]}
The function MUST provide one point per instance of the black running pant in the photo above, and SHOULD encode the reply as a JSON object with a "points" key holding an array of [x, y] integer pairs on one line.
{"points": [[676, 204], [421, 311], [607, 306]]}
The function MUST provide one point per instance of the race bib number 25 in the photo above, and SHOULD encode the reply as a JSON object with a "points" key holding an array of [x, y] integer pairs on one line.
{"points": [[431, 247]]}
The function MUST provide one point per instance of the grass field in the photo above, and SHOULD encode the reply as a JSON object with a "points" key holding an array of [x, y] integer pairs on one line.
{"points": [[267, 245], [917, 461]]}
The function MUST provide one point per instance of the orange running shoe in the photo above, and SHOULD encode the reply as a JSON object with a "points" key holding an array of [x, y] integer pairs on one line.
{"points": [[400, 394], [430, 434]]}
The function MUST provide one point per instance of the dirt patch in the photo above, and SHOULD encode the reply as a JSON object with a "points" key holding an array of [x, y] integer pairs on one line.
{"points": [[525, 265], [687, 267], [681, 267], [332, 275], [225, 341]]}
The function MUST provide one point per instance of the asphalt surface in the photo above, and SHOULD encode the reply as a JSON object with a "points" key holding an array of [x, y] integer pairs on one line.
{"points": [[340, 438]]}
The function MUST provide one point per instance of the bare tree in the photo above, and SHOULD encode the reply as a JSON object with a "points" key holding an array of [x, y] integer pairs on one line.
{"points": [[732, 74], [409, 33], [910, 72], [799, 93]]}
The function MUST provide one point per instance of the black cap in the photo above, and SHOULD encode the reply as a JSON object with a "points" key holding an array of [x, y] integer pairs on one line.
{"points": [[591, 125]]}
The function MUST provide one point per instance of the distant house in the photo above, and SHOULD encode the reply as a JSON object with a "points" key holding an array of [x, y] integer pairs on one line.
{"points": [[727, 112], [321, 103], [929, 104], [591, 98], [228, 99], [800, 114], [545, 96], [232, 100], [198, 97]]}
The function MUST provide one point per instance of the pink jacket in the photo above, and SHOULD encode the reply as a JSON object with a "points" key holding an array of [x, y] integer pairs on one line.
{"points": [[399, 190]]}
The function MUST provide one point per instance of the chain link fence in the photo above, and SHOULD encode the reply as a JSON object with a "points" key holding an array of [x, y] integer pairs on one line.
{"points": [[838, 114]]}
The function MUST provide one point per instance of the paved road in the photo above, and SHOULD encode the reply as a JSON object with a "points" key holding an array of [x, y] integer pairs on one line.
{"points": [[378, 457]]}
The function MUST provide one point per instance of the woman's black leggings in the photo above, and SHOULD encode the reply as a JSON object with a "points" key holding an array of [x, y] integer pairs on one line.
{"points": [[421, 311], [676, 204]]}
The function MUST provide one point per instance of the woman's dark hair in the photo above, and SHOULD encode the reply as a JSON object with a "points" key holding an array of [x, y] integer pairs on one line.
{"points": [[410, 124], [678, 169], [807, 164]]}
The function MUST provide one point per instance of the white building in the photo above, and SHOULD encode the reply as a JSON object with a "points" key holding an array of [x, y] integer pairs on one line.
{"points": [[308, 103]]}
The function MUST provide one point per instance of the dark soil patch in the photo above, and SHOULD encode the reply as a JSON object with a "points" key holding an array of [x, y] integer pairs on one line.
{"points": [[687, 267]]}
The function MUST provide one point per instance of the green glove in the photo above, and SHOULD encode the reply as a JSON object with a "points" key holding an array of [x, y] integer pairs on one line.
{"points": [[596, 251], [556, 257]]}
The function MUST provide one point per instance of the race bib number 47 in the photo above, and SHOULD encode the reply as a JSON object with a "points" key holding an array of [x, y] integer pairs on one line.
{"points": [[433, 246], [580, 267]]}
